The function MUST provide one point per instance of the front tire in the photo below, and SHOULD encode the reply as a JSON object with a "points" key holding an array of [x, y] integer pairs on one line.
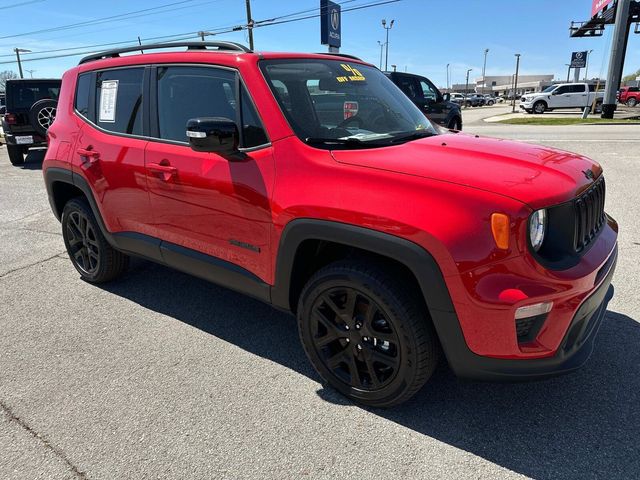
{"points": [[366, 334], [539, 108], [455, 124], [632, 102], [92, 256], [16, 155]]}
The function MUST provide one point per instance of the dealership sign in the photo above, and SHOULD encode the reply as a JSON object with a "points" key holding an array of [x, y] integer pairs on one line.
{"points": [[599, 5], [579, 59], [330, 23]]}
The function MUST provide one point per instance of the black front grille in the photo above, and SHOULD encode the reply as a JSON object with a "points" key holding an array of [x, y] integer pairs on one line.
{"points": [[589, 212]]}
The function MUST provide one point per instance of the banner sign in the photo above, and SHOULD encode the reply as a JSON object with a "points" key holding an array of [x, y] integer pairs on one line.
{"points": [[599, 5], [330, 23], [579, 59]]}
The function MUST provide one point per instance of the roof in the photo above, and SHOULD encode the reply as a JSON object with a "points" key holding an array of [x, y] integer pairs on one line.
{"points": [[194, 51]]}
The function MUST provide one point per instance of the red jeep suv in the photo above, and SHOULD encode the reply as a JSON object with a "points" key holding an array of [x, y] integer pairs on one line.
{"points": [[311, 182]]}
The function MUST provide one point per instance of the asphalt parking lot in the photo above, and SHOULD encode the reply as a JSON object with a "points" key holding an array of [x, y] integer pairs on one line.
{"points": [[161, 375]]}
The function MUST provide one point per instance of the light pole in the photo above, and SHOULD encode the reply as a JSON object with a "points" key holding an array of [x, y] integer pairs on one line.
{"points": [[18, 51], [448, 77], [466, 88], [586, 70], [384, 25], [394, 67], [382, 44], [515, 83], [30, 72], [484, 69]]}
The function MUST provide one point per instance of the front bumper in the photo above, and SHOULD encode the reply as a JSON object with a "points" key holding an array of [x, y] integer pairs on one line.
{"points": [[575, 348]]}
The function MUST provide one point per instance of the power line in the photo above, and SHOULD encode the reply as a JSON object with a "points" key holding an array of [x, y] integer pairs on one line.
{"points": [[222, 30], [22, 4], [216, 30], [96, 21]]}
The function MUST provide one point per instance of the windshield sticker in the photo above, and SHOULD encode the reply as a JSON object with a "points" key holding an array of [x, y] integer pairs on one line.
{"points": [[354, 74], [108, 97]]}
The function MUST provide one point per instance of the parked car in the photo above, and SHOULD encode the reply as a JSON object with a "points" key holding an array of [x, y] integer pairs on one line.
{"points": [[474, 100], [388, 238], [630, 96], [428, 99], [562, 96], [457, 98], [30, 110], [490, 100]]}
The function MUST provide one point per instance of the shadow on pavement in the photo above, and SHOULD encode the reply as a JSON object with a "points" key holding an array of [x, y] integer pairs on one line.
{"points": [[583, 425]]}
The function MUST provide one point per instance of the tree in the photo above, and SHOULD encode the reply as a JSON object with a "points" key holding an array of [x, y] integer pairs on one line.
{"points": [[4, 76], [631, 77]]}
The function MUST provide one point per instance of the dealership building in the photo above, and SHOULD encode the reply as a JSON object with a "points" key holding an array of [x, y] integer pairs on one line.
{"points": [[503, 84]]}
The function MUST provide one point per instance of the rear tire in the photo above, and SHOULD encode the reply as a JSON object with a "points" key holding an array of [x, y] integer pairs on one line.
{"points": [[92, 256], [16, 155], [366, 334], [632, 102]]}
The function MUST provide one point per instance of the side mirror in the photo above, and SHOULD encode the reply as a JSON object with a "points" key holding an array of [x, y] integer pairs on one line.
{"points": [[446, 97], [213, 134], [555, 92]]}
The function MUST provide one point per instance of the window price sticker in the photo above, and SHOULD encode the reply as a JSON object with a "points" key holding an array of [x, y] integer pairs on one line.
{"points": [[108, 97]]}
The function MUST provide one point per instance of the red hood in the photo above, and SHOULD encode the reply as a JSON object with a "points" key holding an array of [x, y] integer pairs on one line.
{"points": [[536, 175]]}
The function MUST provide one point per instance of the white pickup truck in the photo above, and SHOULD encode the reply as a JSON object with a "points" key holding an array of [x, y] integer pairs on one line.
{"points": [[564, 95]]}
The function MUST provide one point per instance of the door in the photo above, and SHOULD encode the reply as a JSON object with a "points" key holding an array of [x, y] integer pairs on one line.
{"points": [[109, 152], [202, 201], [434, 105]]}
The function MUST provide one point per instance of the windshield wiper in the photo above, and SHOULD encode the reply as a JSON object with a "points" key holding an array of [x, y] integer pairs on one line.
{"points": [[356, 142], [411, 136]]}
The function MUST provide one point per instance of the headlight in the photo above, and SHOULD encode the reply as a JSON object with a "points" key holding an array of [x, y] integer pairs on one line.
{"points": [[537, 227]]}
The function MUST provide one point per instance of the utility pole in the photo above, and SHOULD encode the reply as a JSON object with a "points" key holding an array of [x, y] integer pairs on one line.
{"points": [[616, 61], [18, 51], [515, 84], [448, 76], [384, 25], [484, 69], [249, 24], [586, 70], [466, 88]]}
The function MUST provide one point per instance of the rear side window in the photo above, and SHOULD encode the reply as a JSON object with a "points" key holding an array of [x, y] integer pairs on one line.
{"points": [[119, 100], [83, 88]]}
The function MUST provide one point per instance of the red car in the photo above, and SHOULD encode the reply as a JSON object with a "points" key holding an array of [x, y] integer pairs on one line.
{"points": [[311, 182], [630, 96]]}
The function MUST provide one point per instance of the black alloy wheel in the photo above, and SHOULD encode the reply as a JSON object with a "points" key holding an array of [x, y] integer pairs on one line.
{"points": [[83, 245], [354, 339], [90, 252], [367, 332]]}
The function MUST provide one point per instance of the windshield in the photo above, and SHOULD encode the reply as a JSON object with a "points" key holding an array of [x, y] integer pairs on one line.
{"points": [[342, 104], [549, 89]]}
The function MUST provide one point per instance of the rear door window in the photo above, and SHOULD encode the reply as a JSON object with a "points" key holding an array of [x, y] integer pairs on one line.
{"points": [[119, 100]]}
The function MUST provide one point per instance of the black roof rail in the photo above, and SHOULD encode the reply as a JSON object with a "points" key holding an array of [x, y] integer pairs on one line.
{"points": [[225, 46], [345, 55]]}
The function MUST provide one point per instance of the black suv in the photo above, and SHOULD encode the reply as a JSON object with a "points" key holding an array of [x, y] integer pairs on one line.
{"points": [[30, 110], [428, 98]]}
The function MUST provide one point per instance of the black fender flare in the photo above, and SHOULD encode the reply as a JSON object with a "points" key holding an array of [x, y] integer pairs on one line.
{"points": [[128, 242]]}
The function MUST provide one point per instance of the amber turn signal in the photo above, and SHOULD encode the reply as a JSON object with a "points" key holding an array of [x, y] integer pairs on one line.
{"points": [[500, 230]]}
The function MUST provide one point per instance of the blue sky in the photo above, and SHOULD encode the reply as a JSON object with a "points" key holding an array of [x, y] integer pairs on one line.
{"points": [[426, 36]]}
